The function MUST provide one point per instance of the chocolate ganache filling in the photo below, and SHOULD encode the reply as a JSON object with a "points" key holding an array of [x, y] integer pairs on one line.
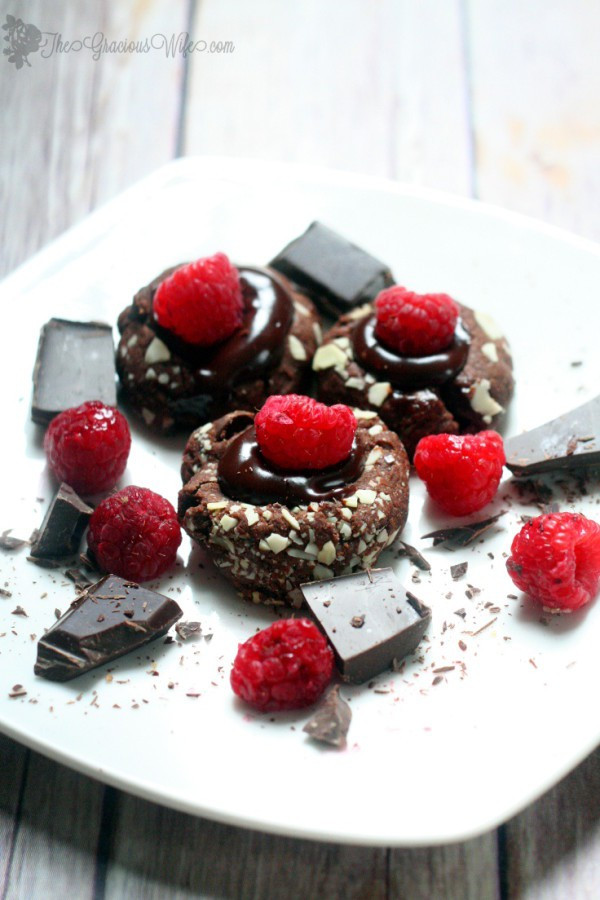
{"points": [[409, 373], [254, 348], [245, 474]]}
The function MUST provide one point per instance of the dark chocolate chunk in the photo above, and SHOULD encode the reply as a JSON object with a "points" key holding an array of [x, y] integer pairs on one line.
{"points": [[64, 523], [331, 721], [337, 274], [100, 627], [571, 441], [462, 535], [394, 623], [75, 362]]}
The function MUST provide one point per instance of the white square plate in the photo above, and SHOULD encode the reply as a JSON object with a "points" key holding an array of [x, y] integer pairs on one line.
{"points": [[424, 764]]}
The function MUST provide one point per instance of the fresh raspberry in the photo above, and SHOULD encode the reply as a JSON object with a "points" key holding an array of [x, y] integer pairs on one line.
{"points": [[556, 560], [201, 302], [415, 324], [461, 472], [296, 432], [134, 534], [87, 446], [286, 666]]}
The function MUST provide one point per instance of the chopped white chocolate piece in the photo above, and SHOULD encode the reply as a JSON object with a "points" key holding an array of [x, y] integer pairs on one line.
{"points": [[328, 357], [296, 348], [483, 403], [327, 553], [227, 522], [490, 351], [489, 325], [156, 352], [378, 392]]}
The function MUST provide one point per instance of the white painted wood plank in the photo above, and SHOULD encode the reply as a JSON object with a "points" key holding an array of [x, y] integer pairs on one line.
{"points": [[12, 766], [536, 83], [553, 848], [76, 130], [376, 87], [465, 871], [536, 80], [158, 853], [55, 845]]}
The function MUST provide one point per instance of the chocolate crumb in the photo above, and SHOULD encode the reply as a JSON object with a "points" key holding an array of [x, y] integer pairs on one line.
{"points": [[331, 721], [187, 630], [357, 621], [19, 611], [459, 570], [437, 680], [7, 542], [5, 593], [461, 612], [462, 645], [17, 691]]}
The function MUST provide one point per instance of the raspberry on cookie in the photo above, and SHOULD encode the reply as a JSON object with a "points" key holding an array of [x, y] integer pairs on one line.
{"points": [[425, 363], [207, 337], [273, 525]]}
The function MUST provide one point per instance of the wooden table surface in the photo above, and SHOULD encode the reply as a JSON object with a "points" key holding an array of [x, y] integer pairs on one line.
{"points": [[496, 99]]}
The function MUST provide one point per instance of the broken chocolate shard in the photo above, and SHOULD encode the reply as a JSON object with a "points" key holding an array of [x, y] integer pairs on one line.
{"points": [[394, 620], [75, 362], [331, 721], [95, 630], [63, 525], [413, 555], [571, 441], [336, 273], [462, 535]]}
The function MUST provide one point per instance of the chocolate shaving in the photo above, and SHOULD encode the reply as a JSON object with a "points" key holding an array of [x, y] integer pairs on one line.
{"points": [[483, 627], [5, 593], [331, 720], [414, 556], [462, 535], [187, 630], [11, 543], [459, 570], [18, 611], [460, 612], [77, 576]]}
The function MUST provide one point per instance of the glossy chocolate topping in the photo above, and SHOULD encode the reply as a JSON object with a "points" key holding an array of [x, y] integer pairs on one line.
{"points": [[244, 474], [257, 345], [409, 373]]}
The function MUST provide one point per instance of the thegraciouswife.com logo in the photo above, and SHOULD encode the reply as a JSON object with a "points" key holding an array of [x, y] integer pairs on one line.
{"points": [[23, 40]]}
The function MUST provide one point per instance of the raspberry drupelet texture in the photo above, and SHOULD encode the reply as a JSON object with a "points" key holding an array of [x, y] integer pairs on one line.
{"points": [[415, 324], [555, 558], [134, 534], [87, 446], [297, 432], [286, 666], [201, 302], [461, 472]]}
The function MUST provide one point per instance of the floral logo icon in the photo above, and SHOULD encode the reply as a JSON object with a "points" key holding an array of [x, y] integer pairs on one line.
{"points": [[22, 40]]}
